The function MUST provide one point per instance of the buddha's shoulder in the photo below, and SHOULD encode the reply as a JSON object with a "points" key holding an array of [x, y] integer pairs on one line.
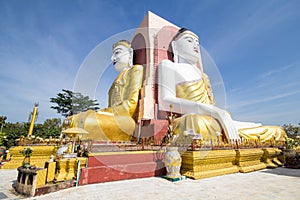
{"points": [[137, 68], [169, 64], [166, 62], [166, 65]]}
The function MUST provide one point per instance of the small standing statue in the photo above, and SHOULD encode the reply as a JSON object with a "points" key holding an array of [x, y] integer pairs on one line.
{"points": [[170, 137], [172, 158]]}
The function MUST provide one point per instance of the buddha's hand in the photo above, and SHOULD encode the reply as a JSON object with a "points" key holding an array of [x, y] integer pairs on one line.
{"points": [[106, 111], [227, 124], [109, 110]]}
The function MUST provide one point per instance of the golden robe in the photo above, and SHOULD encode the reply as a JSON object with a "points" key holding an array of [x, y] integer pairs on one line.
{"points": [[116, 122], [200, 91]]}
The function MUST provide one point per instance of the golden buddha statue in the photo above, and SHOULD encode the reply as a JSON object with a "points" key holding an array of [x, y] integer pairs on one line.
{"points": [[115, 123], [186, 87]]}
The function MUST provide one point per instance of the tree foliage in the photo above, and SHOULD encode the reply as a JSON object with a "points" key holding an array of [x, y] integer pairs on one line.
{"points": [[70, 103], [291, 130], [50, 128], [13, 131], [2, 122]]}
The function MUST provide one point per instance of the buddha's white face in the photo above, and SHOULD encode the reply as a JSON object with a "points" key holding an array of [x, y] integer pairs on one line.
{"points": [[188, 47], [121, 57]]}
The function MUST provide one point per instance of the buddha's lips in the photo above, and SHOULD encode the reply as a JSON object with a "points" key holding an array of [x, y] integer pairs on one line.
{"points": [[196, 50], [114, 62]]}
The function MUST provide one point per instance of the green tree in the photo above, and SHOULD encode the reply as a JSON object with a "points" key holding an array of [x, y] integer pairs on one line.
{"points": [[13, 131], [70, 103], [2, 122], [2, 139], [50, 128], [291, 130]]}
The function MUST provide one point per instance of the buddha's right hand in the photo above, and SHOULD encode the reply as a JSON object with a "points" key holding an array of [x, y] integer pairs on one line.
{"points": [[227, 124], [109, 110], [105, 113], [225, 120]]}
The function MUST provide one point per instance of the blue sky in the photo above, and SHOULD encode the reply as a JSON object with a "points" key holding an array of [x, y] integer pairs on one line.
{"points": [[255, 45]]}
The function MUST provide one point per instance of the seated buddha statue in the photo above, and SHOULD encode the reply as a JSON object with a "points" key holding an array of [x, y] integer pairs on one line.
{"points": [[115, 123], [183, 85]]}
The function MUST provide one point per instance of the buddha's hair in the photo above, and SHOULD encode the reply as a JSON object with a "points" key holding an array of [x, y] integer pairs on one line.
{"points": [[122, 42], [178, 34]]}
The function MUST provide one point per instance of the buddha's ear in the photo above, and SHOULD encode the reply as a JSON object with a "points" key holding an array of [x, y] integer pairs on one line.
{"points": [[175, 52], [173, 45], [131, 57], [131, 52]]}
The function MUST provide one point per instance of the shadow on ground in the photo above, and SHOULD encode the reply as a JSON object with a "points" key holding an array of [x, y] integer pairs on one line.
{"points": [[283, 171], [3, 196]]}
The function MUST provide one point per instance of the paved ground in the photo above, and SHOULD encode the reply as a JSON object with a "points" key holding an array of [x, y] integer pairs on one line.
{"points": [[280, 183], [7, 179]]}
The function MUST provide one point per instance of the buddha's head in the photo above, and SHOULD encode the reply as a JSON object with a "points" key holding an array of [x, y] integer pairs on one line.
{"points": [[122, 55], [185, 45]]}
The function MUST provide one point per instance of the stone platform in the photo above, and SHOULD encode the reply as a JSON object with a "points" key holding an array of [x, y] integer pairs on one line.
{"points": [[113, 166]]}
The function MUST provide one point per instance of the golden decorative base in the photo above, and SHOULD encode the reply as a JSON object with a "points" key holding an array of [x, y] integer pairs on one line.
{"points": [[249, 160], [208, 163], [270, 157], [40, 155], [50, 166], [67, 168], [41, 178]]}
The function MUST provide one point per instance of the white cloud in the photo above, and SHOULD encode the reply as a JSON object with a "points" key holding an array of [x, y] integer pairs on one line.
{"points": [[40, 54], [277, 71], [33, 70], [248, 22], [268, 97]]}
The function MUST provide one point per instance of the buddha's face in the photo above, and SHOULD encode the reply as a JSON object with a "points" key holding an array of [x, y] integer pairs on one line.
{"points": [[121, 57], [188, 48]]}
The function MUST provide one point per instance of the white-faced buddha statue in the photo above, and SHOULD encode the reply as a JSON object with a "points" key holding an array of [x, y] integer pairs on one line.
{"points": [[115, 123], [186, 87]]}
